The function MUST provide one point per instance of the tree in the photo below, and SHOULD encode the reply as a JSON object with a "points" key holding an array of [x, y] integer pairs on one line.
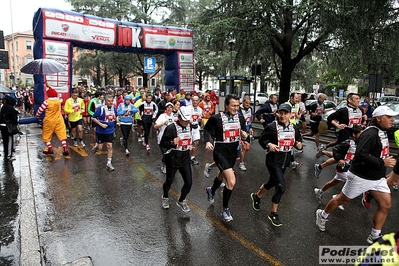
{"points": [[366, 40], [290, 29], [110, 64]]}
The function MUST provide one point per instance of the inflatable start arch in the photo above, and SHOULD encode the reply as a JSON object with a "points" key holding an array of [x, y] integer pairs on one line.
{"points": [[56, 32]]}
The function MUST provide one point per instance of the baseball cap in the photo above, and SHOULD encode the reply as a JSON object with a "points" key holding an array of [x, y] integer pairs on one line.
{"points": [[285, 107], [184, 113], [384, 110]]}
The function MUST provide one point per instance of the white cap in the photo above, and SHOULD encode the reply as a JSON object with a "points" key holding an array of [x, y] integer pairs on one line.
{"points": [[384, 110], [185, 113]]}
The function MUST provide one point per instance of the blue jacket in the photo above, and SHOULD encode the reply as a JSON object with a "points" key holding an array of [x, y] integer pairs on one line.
{"points": [[123, 109]]}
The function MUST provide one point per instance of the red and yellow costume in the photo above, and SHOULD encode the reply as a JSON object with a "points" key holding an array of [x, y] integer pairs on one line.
{"points": [[53, 121]]}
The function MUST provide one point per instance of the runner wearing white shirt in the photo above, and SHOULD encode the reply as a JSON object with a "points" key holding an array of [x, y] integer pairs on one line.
{"points": [[196, 117], [161, 123]]}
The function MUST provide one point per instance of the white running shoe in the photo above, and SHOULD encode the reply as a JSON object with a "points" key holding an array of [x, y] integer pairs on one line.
{"points": [[207, 170], [183, 205], [226, 215], [319, 194], [165, 203], [163, 169], [110, 167], [320, 221], [242, 166]]}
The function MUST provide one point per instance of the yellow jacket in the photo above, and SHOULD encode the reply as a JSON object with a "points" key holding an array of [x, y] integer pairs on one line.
{"points": [[74, 109]]}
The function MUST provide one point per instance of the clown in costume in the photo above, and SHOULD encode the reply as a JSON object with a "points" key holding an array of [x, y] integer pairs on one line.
{"points": [[53, 121]]}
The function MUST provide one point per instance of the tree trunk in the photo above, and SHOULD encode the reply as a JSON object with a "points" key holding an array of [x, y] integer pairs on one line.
{"points": [[285, 81]]}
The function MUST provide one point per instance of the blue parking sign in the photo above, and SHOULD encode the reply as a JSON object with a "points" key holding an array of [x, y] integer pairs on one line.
{"points": [[149, 64]]}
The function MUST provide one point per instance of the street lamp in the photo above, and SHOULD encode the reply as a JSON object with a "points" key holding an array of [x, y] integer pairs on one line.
{"points": [[231, 85]]}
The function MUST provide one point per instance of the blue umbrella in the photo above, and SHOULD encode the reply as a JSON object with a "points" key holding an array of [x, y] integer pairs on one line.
{"points": [[4, 89], [43, 66]]}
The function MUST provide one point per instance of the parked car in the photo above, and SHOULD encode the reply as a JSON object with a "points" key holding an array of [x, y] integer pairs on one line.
{"points": [[328, 105], [394, 105], [261, 98], [385, 99]]}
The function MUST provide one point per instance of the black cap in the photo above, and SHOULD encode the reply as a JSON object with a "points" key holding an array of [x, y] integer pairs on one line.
{"points": [[285, 107]]}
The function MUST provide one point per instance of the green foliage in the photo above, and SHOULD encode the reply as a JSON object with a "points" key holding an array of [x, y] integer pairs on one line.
{"points": [[310, 42]]}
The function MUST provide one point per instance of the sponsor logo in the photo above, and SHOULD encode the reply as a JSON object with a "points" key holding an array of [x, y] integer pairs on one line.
{"points": [[51, 48], [172, 42], [100, 38], [64, 34], [155, 41], [65, 27], [86, 30]]}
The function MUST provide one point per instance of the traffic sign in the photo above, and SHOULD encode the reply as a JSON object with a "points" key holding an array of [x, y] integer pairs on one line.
{"points": [[149, 65]]}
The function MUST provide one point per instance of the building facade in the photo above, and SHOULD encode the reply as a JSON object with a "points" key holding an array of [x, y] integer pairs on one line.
{"points": [[20, 52]]}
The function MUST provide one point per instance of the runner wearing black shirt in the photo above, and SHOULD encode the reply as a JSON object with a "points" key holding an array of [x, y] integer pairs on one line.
{"points": [[226, 129]]}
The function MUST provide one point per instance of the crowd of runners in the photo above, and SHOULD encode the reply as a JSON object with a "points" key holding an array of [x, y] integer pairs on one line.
{"points": [[181, 120]]}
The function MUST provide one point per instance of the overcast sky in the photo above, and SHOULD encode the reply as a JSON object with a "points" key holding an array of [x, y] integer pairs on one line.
{"points": [[22, 13]]}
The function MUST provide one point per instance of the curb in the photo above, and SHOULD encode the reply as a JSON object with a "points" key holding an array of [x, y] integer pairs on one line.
{"points": [[29, 236]]}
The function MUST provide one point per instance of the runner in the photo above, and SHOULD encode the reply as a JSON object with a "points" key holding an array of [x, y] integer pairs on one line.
{"points": [[148, 112], [176, 107], [126, 111], [177, 140], [162, 122], [248, 114], [316, 110], [226, 128], [196, 118], [94, 104], [139, 123], [367, 172], [208, 109], [346, 117], [267, 112], [85, 114], [74, 107], [105, 118], [303, 112], [294, 101], [278, 139], [343, 154]]}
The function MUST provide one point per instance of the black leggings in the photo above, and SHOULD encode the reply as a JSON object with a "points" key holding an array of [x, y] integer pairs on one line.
{"points": [[147, 128], [163, 150], [125, 133], [185, 172], [8, 141], [276, 180]]}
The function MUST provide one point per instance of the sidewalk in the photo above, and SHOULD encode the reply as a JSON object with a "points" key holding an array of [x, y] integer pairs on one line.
{"points": [[29, 237], [30, 252]]}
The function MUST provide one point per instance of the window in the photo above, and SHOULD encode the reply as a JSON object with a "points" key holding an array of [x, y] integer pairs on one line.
{"points": [[139, 81], [152, 82], [28, 45]]}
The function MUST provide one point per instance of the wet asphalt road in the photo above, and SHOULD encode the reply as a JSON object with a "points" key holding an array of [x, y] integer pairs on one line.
{"points": [[116, 218]]}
